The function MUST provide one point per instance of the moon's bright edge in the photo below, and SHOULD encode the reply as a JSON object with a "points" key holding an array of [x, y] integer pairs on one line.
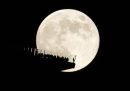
{"points": [[69, 32]]}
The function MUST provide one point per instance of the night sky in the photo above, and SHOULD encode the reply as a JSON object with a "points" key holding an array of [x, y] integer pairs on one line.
{"points": [[21, 20]]}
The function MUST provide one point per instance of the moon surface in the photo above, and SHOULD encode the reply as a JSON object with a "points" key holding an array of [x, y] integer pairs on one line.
{"points": [[69, 33]]}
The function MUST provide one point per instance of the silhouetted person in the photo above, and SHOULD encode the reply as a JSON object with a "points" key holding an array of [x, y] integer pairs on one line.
{"points": [[74, 58]]}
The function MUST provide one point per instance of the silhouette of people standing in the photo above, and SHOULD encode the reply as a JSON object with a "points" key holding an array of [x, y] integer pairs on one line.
{"points": [[74, 58]]}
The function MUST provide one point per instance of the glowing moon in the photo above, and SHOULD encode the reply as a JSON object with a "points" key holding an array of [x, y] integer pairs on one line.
{"points": [[69, 32]]}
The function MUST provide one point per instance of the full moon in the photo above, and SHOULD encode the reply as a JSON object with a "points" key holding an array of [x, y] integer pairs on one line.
{"points": [[69, 33]]}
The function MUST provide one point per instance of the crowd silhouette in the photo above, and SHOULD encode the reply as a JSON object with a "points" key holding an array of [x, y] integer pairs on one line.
{"points": [[47, 62]]}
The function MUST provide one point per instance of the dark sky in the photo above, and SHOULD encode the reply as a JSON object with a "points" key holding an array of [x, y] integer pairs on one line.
{"points": [[21, 20]]}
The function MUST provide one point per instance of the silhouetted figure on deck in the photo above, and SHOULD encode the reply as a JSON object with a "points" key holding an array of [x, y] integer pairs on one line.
{"points": [[74, 58]]}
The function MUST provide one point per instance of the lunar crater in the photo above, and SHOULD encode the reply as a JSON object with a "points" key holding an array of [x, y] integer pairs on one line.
{"points": [[82, 18]]}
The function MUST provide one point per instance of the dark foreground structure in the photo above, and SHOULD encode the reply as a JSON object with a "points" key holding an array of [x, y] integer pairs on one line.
{"points": [[34, 61], [29, 61], [21, 65]]}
